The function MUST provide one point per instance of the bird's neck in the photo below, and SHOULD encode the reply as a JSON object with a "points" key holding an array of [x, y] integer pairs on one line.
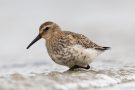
{"points": [[57, 33], [51, 43]]}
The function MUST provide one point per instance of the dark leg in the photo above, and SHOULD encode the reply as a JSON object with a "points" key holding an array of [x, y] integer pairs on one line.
{"points": [[77, 66], [88, 67], [74, 67]]}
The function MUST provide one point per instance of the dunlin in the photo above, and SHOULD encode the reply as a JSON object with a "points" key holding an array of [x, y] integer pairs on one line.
{"points": [[68, 48]]}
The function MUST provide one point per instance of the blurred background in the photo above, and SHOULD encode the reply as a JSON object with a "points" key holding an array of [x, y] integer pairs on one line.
{"points": [[106, 22]]}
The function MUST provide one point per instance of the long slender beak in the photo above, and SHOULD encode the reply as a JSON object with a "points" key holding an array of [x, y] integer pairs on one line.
{"points": [[35, 40]]}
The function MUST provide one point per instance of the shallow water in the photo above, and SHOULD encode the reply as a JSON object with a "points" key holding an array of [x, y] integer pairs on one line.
{"points": [[104, 74]]}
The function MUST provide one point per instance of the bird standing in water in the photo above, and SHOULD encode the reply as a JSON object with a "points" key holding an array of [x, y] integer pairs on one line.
{"points": [[68, 48]]}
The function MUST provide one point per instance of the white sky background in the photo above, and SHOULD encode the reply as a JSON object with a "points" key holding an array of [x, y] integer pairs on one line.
{"points": [[107, 22]]}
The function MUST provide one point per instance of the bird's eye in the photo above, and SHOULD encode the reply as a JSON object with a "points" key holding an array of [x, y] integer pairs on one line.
{"points": [[47, 28]]}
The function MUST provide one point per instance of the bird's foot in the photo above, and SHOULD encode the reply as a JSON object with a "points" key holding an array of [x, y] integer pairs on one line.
{"points": [[77, 66]]}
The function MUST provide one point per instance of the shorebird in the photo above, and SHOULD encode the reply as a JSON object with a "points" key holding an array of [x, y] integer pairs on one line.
{"points": [[68, 48]]}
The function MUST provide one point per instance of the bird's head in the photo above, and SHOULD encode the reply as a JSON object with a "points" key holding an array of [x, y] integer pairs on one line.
{"points": [[46, 31]]}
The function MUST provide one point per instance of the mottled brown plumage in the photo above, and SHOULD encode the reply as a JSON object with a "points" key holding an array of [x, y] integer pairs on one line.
{"points": [[68, 48]]}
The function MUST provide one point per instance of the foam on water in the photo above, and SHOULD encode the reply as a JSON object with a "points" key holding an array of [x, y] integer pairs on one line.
{"points": [[51, 76]]}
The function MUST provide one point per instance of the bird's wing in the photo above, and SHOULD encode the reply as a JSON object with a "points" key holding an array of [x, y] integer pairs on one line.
{"points": [[82, 40]]}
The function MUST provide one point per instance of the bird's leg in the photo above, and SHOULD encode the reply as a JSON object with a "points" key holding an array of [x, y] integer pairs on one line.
{"points": [[74, 67], [88, 67], [77, 66]]}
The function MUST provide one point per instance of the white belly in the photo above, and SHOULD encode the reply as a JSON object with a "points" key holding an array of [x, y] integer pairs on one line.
{"points": [[83, 55], [76, 55]]}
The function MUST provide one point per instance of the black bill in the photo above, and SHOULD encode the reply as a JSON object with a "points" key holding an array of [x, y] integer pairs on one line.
{"points": [[35, 40]]}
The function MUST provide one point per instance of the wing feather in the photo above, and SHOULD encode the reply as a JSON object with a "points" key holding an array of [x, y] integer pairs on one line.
{"points": [[82, 40]]}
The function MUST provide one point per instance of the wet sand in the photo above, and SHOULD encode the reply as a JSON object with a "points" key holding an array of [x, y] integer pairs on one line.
{"points": [[102, 76]]}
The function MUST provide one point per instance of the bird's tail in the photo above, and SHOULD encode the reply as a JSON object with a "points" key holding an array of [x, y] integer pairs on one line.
{"points": [[106, 48], [103, 48]]}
